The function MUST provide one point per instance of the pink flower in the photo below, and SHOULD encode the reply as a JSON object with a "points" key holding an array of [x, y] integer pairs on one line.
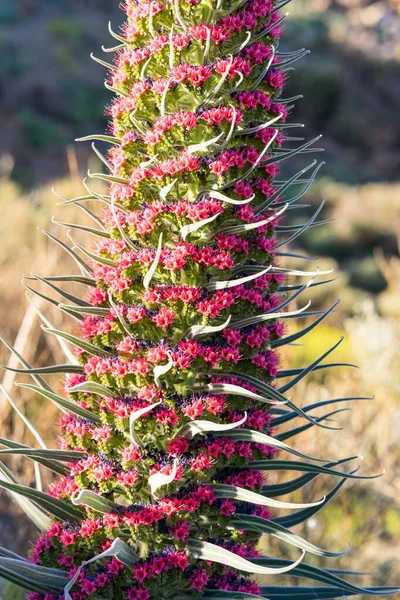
{"points": [[181, 530], [177, 446], [136, 313], [227, 508], [199, 579], [111, 520], [88, 587], [89, 527], [139, 593], [101, 580], [128, 479], [164, 318], [67, 538], [201, 463], [114, 567], [101, 433], [65, 561]]}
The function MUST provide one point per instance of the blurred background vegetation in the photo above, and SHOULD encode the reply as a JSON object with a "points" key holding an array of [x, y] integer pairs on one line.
{"points": [[51, 92]]}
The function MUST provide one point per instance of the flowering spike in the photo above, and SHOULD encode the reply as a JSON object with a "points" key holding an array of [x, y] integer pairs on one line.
{"points": [[170, 403]]}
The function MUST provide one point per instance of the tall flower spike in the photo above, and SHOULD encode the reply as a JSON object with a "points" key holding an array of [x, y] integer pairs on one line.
{"points": [[168, 427]]}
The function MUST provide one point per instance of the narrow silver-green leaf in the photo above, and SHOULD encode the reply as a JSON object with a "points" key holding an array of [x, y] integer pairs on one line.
{"points": [[286, 465], [101, 138], [150, 273], [260, 525], [235, 390], [63, 403], [31, 576], [37, 516], [52, 505], [224, 285], [190, 430], [197, 330], [210, 552], [82, 344], [94, 501], [257, 437], [91, 387], [242, 495], [53, 465], [39, 380], [193, 227]]}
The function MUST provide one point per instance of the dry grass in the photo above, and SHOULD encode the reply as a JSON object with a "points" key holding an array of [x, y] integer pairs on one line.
{"points": [[26, 250]]}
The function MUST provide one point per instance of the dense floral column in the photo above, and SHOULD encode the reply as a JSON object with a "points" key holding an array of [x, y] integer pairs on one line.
{"points": [[174, 390], [191, 207]]}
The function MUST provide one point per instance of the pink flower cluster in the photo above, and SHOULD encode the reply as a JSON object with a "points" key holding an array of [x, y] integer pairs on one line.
{"points": [[234, 158], [143, 222], [188, 120]]}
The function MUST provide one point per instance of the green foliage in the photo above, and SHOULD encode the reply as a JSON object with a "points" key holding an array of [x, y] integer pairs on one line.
{"points": [[8, 12], [40, 131], [66, 29]]}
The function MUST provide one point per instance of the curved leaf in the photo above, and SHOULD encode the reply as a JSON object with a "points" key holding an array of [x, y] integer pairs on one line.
{"points": [[187, 229], [204, 145], [80, 262], [161, 370], [62, 455], [94, 501], [86, 229], [291, 415], [310, 368], [281, 489], [242, 495], [286, 465], [159, 480], [317, 574], [96, 257], [190, 430], [250, 435], [39, 380], [218, 196], [150, 273], [215, 594], [91, 387], [38, 517], [137, 415], [301, 516], [245, 227], [197, 330], [53, 465], [60, 291], [52, 505], [46, 370], [63, 403], [210, 552], [276, 397], [224, 285], [267, 317], [320, 593], [86, 346], [236, 390], [251, 523], [284, 187], [292, 432], [101, 138], [289, 339], [118, 548], [31, 576]]}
